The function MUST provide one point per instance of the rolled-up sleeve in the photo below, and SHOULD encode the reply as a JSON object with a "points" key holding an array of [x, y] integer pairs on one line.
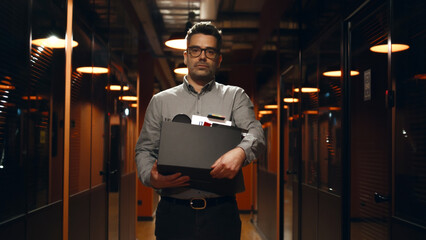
{"points": [[149, 139], [253, 142]]}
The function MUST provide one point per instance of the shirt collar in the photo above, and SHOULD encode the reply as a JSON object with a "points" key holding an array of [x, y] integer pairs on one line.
{"points": [[206, 88]]}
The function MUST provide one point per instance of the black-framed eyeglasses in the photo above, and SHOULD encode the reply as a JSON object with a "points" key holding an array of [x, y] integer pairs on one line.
{"points": [[211, 53]]}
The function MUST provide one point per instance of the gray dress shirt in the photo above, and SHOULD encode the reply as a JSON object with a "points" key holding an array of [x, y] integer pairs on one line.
{"points": [[215, 98]]}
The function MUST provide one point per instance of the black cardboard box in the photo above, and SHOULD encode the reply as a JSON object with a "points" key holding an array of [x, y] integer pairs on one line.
{"points": [[192, 149]]}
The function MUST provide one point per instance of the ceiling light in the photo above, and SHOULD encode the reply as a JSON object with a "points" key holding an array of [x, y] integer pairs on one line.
{"points": [[271, 106], [265, 112], [134, 105], [307, 89], [383, 48], [338, 73], [128, 98], [52, 42], [290, 100], [176, 43], [181, 69], [177, 40], [94, 70], [117, 88]]}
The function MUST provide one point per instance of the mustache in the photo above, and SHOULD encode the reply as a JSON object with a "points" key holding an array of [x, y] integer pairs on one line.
{"points": [[201, 63]]}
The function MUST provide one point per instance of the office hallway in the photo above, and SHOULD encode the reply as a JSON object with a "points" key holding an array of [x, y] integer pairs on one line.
{"points": [[145, 229]]}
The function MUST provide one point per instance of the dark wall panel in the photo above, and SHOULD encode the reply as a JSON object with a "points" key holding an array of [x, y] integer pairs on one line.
{"points": [[404, 230], [13, 230], [98, 213], [267, 204], [45, 223], [309, 212], [329, 216], [128, 207], [79, 219]]}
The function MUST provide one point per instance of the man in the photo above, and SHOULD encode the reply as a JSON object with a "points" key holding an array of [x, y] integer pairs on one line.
{"points": [[199, 94]]}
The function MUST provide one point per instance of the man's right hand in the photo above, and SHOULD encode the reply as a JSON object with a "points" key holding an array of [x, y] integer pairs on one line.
{"points": [[167, 181]]}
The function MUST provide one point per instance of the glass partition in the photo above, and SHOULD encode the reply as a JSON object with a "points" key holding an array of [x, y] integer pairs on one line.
{"points": [[14, 82], [45, 102], [409, 74], [330, 113]]}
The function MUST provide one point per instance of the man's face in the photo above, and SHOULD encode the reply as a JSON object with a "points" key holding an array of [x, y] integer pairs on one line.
{"points": [[202, 68]]}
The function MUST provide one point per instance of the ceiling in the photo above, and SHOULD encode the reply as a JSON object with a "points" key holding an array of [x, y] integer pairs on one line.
{"points": [[264, 30], [239, 21]]}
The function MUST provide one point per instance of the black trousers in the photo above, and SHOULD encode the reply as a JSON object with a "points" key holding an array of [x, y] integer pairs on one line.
{"points": [[179, 221]]}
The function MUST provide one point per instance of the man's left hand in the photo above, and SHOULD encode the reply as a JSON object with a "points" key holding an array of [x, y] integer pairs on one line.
{"points": [[228, 165]]}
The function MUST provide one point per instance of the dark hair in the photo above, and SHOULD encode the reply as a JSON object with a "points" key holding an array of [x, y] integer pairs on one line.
{"points": [[205, 28]]}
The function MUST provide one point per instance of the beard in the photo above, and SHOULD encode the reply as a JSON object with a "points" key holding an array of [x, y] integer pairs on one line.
{"points": [[202, 76]]}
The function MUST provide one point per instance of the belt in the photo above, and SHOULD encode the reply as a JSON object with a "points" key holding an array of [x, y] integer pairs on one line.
{"points": [[200, 203]]}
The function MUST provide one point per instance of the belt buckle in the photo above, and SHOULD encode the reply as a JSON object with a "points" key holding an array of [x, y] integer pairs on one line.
{"points": [[196, 206]]}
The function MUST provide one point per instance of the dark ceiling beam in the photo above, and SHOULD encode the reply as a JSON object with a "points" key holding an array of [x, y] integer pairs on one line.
{"points": [[269, 21], [166, 79]]}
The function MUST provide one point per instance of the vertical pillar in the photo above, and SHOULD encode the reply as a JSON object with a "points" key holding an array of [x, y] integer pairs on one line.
{"points": [[145, 92], [243, 74], [68, 70]]}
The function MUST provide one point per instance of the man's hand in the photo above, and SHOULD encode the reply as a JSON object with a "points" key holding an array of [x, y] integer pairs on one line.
{"points": [[228, 165], [167, 181]]}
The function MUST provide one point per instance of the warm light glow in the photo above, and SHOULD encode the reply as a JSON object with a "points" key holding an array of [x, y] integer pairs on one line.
{"points": [[128, 98], [307, 90], [183, 71], [117, 88], [338, 73], [383, 48], [334, 108], [285, 106], [134, 105], [274, 106], [312, 112], [94, 70], [52, 42], [6, 87], [420, 76], [176, 44], [291, 100], [32, 98], [265, 112]]}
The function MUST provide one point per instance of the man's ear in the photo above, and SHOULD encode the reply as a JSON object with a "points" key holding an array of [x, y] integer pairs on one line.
{"points": [[185, 55], [219, 60]]}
